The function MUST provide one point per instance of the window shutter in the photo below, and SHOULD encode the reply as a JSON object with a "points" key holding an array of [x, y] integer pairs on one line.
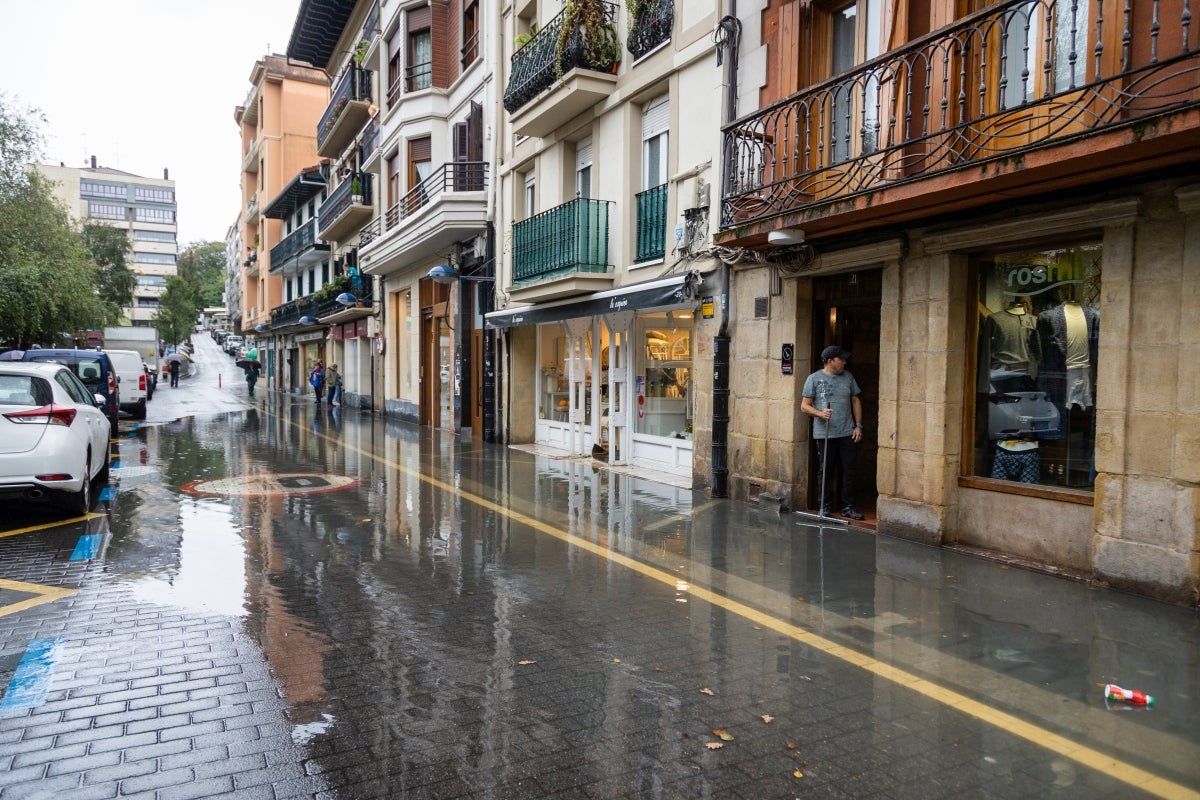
{"points": [[420, 19], [420, 149], [583, 154], [655, 118], [461, 147]]}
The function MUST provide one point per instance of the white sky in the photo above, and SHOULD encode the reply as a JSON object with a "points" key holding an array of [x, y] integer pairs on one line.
{"points": [[145, 85]]}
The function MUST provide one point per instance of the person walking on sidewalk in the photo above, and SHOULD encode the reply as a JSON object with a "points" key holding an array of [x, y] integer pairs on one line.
{"points": [[333, 382], [831, 398], [316, 379], [173, 368]]}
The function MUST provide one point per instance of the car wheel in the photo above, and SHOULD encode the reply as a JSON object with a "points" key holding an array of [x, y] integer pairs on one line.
{"points": [[139, 411], [79, 503]]}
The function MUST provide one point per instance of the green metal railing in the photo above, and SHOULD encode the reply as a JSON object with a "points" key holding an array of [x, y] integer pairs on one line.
{"points": [[570, 238], [651, 223]]}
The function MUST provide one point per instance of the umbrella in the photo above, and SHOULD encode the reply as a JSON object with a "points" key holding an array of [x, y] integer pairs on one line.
{"points": [[180, 357], [12, 355], [252, 353], [245, 363]]}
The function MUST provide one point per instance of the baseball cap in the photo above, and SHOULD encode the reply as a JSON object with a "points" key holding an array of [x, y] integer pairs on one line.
{"points": [[834, 351]]}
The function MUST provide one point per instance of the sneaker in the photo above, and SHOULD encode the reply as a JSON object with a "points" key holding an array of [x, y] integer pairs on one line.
{"points": [[825, 512], [852, 512]]}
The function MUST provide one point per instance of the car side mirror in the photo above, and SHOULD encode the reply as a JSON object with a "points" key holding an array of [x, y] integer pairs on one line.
{"points": [[99, 400]]}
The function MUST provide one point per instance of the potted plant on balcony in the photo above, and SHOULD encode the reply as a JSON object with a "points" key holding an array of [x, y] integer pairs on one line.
{"points": [[587, 38], [356, 195]]}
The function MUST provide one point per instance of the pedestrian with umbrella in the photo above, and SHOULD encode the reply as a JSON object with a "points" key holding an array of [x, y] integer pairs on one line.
{"points": [[175, 363], [316, 379], [252, 369]]}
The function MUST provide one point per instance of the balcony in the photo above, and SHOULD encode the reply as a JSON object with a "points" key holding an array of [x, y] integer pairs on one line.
{"points": [[445, 208], [586, 64], [651, 224], [347, 112], [250, 160], [321, 303], [346, 209], [562, 252], [368, 149], [252, 210], [1021, 99], [251, 262], [651, 28], [299, 250]]}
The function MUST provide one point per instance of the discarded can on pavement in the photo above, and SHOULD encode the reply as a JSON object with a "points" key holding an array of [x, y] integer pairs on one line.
{"points": [[1114, 692]]}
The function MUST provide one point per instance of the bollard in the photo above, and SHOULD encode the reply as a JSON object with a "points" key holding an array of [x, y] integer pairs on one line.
{"points": [[218, 380]]}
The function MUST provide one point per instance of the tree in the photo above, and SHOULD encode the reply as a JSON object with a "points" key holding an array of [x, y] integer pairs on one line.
{"points": [[202, 264], [178, 309], [110, 249], [47, 275]]}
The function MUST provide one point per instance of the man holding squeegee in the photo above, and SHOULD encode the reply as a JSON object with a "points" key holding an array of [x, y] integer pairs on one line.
{"points": [[831, 398]]}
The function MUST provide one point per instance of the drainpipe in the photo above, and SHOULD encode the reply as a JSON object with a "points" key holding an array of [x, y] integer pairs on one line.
{"points": [[721, 342], [493, 408]]}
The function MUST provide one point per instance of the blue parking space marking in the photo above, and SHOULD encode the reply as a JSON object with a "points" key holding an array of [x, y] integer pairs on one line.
{"points": [[31, 682], [108, 493], [87, 547], [115, 465]]}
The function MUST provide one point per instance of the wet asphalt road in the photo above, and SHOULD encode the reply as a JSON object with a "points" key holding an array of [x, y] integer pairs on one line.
{"points": [[276, 601]]}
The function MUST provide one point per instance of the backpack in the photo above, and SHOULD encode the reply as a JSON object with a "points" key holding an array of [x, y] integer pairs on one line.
{"points": [[314, 377]]}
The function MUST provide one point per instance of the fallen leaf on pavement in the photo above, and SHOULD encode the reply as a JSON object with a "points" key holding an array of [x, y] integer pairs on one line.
{"points": [[724, 736], [707, 691], [713, 745], [790, 745], [767, 718], [525, 663], [797, 774]]}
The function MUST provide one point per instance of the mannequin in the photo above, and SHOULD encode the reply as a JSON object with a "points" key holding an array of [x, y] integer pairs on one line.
{"points": [[1013, 342], [1069, 334]]}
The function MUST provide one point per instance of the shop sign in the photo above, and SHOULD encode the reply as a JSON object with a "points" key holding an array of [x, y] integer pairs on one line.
{"points": [[362, 327], [337, 333]]}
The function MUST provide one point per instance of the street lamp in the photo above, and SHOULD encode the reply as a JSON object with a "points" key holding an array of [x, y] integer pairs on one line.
{"points": [[444, 273], [347, 299], [308, 320], [260, 328]]}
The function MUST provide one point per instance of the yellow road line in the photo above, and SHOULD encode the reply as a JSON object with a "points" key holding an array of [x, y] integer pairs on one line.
{"points": [[58, 524], [42, 594]]}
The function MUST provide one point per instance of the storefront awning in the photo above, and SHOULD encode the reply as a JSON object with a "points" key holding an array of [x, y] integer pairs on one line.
{"points": [[672, 291]]}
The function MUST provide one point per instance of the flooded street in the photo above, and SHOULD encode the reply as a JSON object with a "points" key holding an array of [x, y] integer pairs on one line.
{"points": [[274, 599]]}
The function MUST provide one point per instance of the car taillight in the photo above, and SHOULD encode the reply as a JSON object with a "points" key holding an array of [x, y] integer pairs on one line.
{"points": [[46, 415], [142, 382]]}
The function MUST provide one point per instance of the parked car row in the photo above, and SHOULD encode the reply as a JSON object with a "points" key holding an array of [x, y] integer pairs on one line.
{"points": [[54, 429]]}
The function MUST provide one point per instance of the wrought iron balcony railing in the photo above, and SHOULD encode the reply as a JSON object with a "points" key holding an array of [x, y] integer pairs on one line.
{"points": [[355, 189], [322, 302], [370, 232], [370, 28], [355, 86], [370, 141], [1017, 76], [570, 238], [651, 223], [295, 243], [651, 28], [537, 65], [453, 176]]}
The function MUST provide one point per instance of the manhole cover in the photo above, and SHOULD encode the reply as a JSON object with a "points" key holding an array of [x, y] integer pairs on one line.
{"points": [[271, 483]]}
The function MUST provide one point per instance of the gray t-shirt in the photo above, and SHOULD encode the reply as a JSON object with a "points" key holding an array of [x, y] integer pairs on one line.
{"points": [[832, 390]]}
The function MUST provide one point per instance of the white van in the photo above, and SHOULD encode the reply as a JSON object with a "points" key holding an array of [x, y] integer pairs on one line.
{"points": [[131, 375]]}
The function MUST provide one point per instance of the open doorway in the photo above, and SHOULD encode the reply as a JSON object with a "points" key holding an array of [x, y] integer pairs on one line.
{"points": [[846, 312]]}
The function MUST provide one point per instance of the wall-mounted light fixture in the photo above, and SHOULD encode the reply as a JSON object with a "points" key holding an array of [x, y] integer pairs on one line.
{"points": [[307, 320], [261, 328], [347, 299], [785, 237], [444, 273]]}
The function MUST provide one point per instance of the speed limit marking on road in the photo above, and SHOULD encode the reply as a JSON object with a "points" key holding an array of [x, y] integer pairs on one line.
{"points": [[271, 483]]}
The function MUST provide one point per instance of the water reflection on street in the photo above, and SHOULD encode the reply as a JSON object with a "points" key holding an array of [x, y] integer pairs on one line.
{"points": [[461, 619]]}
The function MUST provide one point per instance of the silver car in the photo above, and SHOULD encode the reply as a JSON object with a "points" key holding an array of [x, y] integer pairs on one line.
{"points": [[1017, 409], [53, 436]]}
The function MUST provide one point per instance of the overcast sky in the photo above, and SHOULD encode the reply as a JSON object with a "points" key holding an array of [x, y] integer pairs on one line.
{"points": [[145, 86]]}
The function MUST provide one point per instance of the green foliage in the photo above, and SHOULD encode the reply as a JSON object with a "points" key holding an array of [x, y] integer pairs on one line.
{"points": [[584, 21], [48, 277], [202, 266], [638, 8], [110, 248], [178, 308]]}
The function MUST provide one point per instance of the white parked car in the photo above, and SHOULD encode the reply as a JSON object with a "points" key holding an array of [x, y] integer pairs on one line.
{"points": [[53, 435], [1017, 409], [131, 376]]}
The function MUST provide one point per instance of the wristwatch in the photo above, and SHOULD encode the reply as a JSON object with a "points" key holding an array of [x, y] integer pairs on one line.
{"points": [[859, 425]]}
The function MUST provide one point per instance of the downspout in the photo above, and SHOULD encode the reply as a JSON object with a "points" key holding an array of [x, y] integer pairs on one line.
{"points": [[728, 31], [492, 407]]}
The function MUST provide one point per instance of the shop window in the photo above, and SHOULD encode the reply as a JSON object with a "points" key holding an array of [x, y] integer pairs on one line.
{"points": [[1037, 333], [662, 387]]}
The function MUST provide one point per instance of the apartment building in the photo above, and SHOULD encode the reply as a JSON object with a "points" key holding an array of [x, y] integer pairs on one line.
{"points": [[604, 182], [995, 208], [278, 139], [144, 207]]}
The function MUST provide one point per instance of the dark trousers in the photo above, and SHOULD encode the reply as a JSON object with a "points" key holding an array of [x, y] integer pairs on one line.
{"points": [[317, 390], [843, 454]]}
